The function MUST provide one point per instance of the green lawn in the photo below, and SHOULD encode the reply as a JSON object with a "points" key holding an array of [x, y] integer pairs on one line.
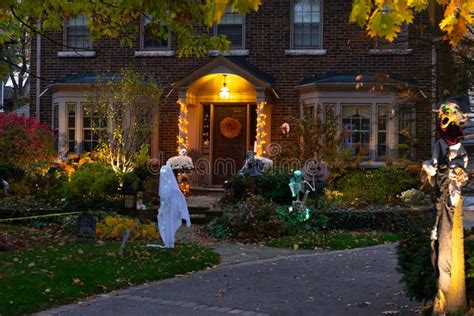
{"points": [[333, 240], [45, 276]]}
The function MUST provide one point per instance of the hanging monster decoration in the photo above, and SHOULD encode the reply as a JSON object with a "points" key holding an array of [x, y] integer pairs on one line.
{"points": [[445, 171]]}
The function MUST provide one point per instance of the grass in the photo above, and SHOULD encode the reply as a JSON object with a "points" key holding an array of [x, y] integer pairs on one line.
{"points": [[334, 240], [45, 276]]}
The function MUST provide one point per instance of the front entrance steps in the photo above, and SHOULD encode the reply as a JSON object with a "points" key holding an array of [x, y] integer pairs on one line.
{"points": [[200, 205]]}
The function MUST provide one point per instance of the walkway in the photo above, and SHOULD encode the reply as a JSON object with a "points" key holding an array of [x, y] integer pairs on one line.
{"points": [[351, 282]]}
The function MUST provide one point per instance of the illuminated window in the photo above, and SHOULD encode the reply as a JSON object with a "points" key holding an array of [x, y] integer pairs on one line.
{"points": [[382, 121]]}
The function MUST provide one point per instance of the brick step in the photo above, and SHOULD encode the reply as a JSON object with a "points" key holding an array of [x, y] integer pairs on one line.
{"points": [[202, 214]]}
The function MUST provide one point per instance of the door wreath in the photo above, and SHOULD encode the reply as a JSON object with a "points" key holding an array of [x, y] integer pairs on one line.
{"points": [[230, 127]]}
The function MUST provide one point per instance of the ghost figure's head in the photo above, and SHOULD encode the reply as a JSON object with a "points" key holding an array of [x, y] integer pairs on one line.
{"points": [[451, 113], [183, 152]]}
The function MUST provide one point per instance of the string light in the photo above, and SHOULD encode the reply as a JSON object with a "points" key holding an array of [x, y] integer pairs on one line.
{"points": [[261, 134], [183, 127]]}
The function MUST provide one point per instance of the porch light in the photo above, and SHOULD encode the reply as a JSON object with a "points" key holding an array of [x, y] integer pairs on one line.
{"points": [[224, 92]]}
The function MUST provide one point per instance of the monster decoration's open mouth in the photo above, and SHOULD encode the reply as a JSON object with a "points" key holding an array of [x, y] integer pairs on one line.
{"points": [[450, 113]]}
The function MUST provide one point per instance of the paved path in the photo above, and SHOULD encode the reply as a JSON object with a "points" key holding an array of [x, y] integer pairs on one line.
{"points": [[351, 282]]}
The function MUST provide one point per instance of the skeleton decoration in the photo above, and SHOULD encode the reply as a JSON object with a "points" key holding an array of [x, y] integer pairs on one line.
{"points": [[298, 189], [445, 171], [173, 207]]}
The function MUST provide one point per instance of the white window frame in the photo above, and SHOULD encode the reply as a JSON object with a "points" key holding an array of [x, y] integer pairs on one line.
{"points": [[338, 98], [65, 40], [238, 50], [142, 39], [76, 99], [292, 30]]}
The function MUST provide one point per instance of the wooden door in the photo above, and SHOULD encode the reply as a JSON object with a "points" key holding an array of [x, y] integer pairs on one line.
{"points": [[228, 151]]}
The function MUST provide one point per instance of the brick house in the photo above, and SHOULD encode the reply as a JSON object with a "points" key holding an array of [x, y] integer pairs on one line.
{"points": [[288, 57]]}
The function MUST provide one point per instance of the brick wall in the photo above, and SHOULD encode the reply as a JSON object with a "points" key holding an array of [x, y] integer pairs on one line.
{"points": [[267, 37]]}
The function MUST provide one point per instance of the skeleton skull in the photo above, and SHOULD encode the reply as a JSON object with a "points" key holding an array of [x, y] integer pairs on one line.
{"points": [[451, 113]]}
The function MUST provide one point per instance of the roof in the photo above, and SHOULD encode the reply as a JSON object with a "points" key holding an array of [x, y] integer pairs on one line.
{"points": [[235, 65], [354, 78], [254, 70], [83, 77], [88, 78]]}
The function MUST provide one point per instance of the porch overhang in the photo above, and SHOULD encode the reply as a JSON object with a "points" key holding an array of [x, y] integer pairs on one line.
{"points": [[261, 82], [353, 80]]}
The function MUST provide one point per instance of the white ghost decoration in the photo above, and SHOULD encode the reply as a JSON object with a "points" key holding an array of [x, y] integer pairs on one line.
{"points": [[173, 207]]}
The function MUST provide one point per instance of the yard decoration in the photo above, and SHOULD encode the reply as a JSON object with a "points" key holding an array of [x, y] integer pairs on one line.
{"points": [[445, 171], [230, 127], [298, 188], [4, 186], [182, 166], [314, 175], [255, 166], [173, 207]]}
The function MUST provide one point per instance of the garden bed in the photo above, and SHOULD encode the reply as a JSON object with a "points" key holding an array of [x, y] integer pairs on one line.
{"points": [[50, 275]]}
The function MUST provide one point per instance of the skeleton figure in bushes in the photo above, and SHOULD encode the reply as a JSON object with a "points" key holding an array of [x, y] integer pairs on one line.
{"points": [[445, 171]]}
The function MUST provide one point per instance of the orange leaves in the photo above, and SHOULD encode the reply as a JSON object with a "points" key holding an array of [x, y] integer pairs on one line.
{"points": [[383, 18], [113, 227], [458, 17]]}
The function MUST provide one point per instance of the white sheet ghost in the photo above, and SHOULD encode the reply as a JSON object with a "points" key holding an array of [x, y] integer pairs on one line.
{"points": [[173, 207]]}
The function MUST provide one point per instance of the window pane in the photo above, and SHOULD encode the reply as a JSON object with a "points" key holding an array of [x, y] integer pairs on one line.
{"points": [[233, 34], [150, 40], [77, 33], [356, 122]]}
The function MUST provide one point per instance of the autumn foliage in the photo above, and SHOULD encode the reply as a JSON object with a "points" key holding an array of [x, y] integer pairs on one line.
{"points": [[24, 141], [113, 227]]}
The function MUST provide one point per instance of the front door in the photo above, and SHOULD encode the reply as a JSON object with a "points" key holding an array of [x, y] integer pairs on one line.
{"points": [[229, 141]]}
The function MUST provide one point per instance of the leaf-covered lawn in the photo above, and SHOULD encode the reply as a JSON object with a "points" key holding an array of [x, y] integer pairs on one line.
{"points": [[333, 240], [44, 276]]}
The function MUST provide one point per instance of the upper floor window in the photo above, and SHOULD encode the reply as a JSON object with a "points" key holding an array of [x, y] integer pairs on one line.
{"points": [[232, 25], [148, 38], [77, 34], [400, 42], [306, 24]]}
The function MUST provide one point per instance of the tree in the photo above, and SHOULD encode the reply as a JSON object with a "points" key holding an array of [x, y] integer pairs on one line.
{"points": [[15, 55], [383, 18], [451, 24], [190, 20], [125, 108]]}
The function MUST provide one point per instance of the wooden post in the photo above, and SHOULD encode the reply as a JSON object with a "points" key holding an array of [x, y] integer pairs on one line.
{"points": [[456, 296]]}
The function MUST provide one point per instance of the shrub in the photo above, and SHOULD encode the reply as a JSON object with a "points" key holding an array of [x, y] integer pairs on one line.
{"points": [[44, 179], [414, 197], [10, 172], [272, 185], [392, 220], [92, 187], [24, 141], [251, 220], [414, 263], [376, 186], [113, 227]]}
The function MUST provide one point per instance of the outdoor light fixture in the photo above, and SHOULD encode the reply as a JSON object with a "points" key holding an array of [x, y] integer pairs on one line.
{"points": [[224, 92]]}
